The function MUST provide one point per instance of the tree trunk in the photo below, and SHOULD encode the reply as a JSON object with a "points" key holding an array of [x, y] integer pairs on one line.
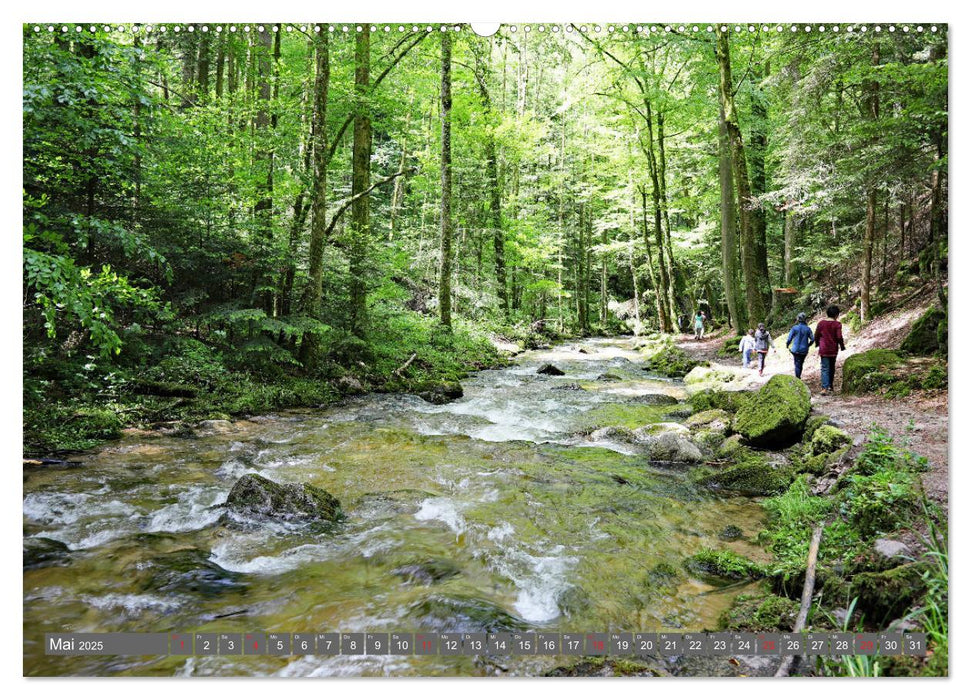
{"points": [[729, 243], [263, 211], [669, 252], [791, 227], [360, 181], [754, 302], [445, 243], [871, 198], [220, 65], [757, 153], [660, 299], [318, 223]]}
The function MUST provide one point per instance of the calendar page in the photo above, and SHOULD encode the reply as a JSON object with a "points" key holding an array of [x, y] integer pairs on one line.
{"points": [[523, 349]]}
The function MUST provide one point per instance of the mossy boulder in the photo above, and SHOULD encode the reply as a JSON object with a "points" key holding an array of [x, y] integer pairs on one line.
{"points": [[670, 361], [668, 442], [729, 401], [716, 420], [923, 336], [730, 447], [439, 392], [866, 371], [752, 475], [885, 595], [96, 423], [776, 415], [255, 495], [712, 375], [827, 439], [812, 425], [760, 613], [718, 566]]}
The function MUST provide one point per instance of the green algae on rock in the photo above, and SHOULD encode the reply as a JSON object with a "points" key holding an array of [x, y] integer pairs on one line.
{"points": [[720, 565], [866, 370], [256, 495], [760, 613]]}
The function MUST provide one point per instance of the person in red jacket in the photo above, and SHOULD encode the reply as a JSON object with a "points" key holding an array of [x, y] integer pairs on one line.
{"points": [[829, 340]]}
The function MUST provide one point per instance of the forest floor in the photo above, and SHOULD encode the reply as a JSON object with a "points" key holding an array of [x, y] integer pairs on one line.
{"points": [[920, 419]]}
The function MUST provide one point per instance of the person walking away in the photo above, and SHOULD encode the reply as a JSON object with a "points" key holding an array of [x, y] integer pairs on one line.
{"points": [[829, 340], [763, 343], [798, 342], [699, 325], [747, 347]]}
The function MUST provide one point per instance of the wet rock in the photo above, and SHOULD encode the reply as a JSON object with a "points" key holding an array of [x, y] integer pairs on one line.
{"points": [[647, 432], [612, 432], [572, 386], [713, 375], [550, 370], [214, 427], [890, 549], [663, 578], [776, 415], [654, 399], [458, 613], [721, 566], [678, 413], [715, 419], [397, 501], [752, 475], [573, 601], [440, 392], [670, 447], [348, 385], [610, 377], [427, 572], [187, 571], [254, 495], [730, 533], [40, 552]]}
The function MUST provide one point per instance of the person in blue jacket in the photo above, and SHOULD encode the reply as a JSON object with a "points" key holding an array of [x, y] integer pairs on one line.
{"points": [[798, 342]]}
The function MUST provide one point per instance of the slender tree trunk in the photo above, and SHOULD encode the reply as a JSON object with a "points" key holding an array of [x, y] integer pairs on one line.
{"points": [[668, 249], [729, 243], [660, 298], [790, 227], [360, 181], [759, 143], [754, 302], [445, 247], [202, 71], [871, 198], [220, 64], [318, 223]]}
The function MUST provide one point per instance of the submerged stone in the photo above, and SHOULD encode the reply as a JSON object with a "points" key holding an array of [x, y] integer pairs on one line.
{"points": [[187, 570], [715, 419], [427, 572], [776, 415], [751, 476], [720, 566], [40, 552], [255, 495], [459, 613], [730, 533], [440, 392]]}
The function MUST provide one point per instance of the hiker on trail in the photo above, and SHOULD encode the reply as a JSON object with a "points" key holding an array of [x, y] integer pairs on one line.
{"points": [[747, 347], [829, 340], [798, 342], [763, 343], [700, 325]]}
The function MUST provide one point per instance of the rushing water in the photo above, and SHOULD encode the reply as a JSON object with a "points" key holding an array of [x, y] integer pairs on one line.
{"points": [[496, 507]]}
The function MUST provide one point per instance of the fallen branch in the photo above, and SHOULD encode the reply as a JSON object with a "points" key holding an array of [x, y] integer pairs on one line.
{"points": [[807, 598], [403, 367]]}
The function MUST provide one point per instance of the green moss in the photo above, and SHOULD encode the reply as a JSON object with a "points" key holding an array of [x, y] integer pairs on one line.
{"points": [[857, 368], [812, 425], [623, 415], [716, 419], [880, 502], [828, 439], [752, 475], [256, 495], [670, 361], [923, 336], [729, 401], [936, 378], [885, 595], [776, 415], [730, 347], [898, 390], [730, 447], [720, 565], [760, 613]]}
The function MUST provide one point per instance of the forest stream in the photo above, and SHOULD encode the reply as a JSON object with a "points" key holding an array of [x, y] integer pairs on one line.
{"points": [[495, 511]]}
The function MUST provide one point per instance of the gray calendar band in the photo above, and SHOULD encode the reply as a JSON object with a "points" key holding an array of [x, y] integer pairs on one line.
{"points": [[496, 644]]}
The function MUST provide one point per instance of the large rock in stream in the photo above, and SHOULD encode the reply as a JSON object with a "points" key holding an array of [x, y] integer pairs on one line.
{"points": [[255, 495], [668, 442], [776, 415]]}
